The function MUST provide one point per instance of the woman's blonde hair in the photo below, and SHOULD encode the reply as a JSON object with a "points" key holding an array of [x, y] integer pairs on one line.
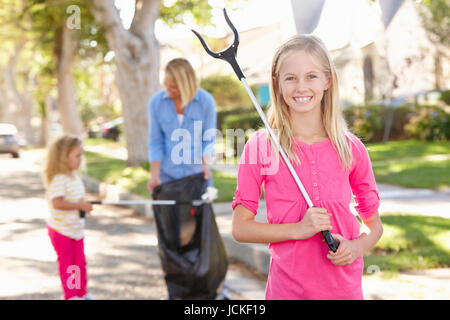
{"points": [[56, 161], [279, 116], [181, 71]]}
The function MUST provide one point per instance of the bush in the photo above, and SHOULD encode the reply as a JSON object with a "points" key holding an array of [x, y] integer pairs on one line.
{"points": [[223, 113], [245, 121], [429, 123], [366, 122], [226, 90], [445, 96], [416, 122]]}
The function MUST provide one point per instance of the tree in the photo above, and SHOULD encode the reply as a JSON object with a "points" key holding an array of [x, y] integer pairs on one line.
{"points": [[436, 21], [137, 68], [137, 59], [66, 40], [15, 80]]}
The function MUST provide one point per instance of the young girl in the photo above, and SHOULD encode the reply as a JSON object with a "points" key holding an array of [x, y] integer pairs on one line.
{"points": [[331, 163], [65, 192]]}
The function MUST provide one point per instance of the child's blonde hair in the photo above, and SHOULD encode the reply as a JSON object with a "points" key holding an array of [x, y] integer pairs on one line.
{"points": [[279, 116], [56, 161], [181, 71]]}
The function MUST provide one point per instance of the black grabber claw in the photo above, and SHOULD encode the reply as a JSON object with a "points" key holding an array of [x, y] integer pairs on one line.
{"points": [[229, 55]]}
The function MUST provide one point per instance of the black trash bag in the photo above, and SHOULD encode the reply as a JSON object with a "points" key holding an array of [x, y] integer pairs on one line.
{"points": [[190, 247]]}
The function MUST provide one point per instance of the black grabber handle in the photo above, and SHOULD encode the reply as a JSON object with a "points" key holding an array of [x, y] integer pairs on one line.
{"points": [[331, 243], [83, 214]]}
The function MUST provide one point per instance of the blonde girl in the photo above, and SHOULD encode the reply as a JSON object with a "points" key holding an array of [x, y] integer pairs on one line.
{"points": [[332, 164], [65, 193]]}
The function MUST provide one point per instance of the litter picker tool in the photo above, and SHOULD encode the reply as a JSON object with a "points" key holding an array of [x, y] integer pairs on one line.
{"points": [[229, 55], [207, 197]]}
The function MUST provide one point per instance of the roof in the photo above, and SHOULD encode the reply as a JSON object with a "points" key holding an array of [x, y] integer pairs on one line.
{"points": [[344, 22]]}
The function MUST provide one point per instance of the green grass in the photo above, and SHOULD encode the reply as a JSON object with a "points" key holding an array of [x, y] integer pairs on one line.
{"points": [[398, 162], [114, 171], [406, 149], [104, 142], [411, 163], [411, 242], [134, 179], [225, 183], [414, 173]]}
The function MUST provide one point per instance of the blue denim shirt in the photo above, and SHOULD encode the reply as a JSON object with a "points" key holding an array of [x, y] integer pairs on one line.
{"points": [[180, 148]]}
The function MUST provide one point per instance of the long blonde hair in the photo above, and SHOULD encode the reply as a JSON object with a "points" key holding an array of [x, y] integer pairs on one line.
{"points": [[56, 161], [181, 71], [278, 115]]}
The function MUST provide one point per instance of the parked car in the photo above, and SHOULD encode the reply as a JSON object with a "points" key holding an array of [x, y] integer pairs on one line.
{"points": [[111, 129], [9, 139]]}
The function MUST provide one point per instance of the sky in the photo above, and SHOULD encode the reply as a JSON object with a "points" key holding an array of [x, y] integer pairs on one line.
{"points": [[248, 14], [341, 22]]}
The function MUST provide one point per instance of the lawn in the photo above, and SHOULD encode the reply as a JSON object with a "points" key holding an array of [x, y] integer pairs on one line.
{"points": [[415, 164], [406, 149], [114, 171], [414, 173], [411, 242]]}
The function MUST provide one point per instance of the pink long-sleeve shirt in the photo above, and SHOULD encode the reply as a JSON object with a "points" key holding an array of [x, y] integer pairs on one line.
{"points": [[300, 269]]}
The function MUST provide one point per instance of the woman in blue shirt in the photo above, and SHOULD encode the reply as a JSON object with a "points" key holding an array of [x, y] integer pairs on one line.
{"points": [[183, 122]]}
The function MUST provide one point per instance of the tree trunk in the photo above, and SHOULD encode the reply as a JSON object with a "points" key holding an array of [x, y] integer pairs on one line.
{"points": [[18, 104], [137, 63], [67, 106]]}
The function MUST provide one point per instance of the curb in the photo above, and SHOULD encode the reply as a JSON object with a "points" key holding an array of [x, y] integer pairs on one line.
{"points": [[114, 193], [256, 256]]}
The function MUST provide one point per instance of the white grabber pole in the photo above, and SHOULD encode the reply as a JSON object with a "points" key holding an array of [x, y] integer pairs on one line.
{"points": [[229, 55], [207, 197]]}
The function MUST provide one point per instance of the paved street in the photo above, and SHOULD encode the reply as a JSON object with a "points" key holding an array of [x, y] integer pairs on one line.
{"points": [[120, 247]]}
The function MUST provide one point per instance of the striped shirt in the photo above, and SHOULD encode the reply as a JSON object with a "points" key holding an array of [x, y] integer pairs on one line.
{"points": [[66, 222]]}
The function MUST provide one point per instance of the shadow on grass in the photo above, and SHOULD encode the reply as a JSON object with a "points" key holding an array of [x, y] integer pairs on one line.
{"points": [[414, 174], [419, 242]]}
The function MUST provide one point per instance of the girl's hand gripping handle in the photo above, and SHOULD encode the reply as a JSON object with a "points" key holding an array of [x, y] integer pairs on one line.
{"points": [[331, 243], [83, 213]]}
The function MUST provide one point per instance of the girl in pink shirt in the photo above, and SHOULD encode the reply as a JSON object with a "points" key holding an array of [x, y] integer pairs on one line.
{"points": [[332, 164]]}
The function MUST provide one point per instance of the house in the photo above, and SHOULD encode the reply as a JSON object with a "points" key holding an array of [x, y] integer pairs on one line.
{"points": [[380, 49]]}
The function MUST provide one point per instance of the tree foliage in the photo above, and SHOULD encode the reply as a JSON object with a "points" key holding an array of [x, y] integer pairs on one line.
{"points": [[181, 11], [436, 20]]}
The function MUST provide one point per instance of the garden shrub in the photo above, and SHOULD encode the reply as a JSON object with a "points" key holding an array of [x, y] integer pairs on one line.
{"points": [[429, 123]]}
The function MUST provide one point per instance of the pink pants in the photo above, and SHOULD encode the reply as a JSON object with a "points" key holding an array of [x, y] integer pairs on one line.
{"points": [[72, 264]]}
